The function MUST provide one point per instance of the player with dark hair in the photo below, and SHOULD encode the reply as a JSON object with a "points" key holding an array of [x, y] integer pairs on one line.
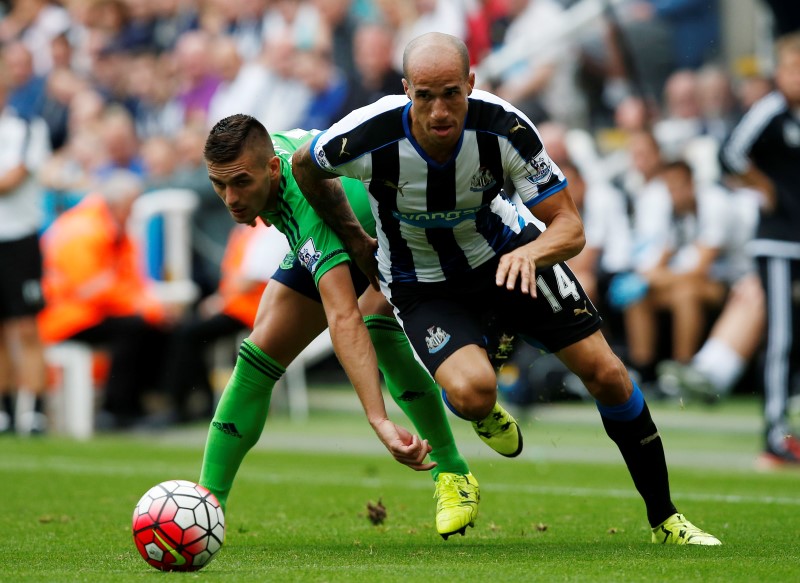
{"points": [[250, 171], [764, 151], [454, 253]]}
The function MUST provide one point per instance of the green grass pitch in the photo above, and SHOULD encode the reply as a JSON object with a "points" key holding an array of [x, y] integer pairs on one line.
{"points": [[564, 511]]}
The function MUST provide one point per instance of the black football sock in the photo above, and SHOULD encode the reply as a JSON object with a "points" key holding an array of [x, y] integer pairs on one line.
{"points": [[631, 427], [7, 405]]}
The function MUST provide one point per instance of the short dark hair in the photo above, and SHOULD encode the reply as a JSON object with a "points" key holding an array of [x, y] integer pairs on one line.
{"points": [[233, 135]]}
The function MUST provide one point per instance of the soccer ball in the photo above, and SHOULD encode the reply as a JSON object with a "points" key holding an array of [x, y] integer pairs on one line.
{"points": [[178, 526]]}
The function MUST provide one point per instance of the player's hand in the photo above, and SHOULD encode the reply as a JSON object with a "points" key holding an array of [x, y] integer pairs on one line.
{"points": [[517, 265], [363, 253], [406, 448]]}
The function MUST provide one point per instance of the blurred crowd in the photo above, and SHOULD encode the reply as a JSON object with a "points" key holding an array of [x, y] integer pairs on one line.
{"points": [[112, 100]]}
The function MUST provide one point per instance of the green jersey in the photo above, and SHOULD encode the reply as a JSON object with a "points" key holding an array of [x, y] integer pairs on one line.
{"points": [[313, 242]]}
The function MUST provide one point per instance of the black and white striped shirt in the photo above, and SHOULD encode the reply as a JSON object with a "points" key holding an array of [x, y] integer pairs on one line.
{"points": [[768, 137], [437, 221]]}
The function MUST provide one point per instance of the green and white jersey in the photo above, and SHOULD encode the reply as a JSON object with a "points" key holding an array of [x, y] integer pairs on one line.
{"points": [[313, 242]]}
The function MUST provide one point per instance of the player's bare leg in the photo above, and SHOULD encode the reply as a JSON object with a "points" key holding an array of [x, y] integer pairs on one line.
{"points": [[470, 390]]}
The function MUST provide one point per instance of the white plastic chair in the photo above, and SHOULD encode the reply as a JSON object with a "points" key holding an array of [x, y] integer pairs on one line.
{"points": [[175, 206]]}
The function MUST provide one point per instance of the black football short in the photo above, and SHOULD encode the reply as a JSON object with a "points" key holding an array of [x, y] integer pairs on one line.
{"points": [[294, 275], [20, 278], [441, 317]]}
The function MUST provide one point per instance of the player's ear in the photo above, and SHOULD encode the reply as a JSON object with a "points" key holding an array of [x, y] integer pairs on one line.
{"points": [[274, 166], [471, 82], [406, 88]]}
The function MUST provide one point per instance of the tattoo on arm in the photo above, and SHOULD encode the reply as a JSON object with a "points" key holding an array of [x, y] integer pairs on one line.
{"points": [[326, 195]]}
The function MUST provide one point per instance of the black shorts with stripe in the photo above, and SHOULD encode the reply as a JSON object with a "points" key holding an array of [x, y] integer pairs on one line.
{"points": [[441, 317], [20, 278]]}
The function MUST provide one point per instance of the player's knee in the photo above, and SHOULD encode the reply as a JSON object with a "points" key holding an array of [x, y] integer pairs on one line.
{"points": [[472, 396], [608, 381]]}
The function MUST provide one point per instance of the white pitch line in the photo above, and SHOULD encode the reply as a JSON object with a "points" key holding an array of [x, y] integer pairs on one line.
{"points": [[169, 470]]}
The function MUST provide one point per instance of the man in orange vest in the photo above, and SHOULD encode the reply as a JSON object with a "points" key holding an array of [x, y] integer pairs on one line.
{"points": [[251, 257], [96, 292]]}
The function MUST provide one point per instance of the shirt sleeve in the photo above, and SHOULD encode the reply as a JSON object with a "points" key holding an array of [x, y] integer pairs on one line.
{"points": [[535, 178]]}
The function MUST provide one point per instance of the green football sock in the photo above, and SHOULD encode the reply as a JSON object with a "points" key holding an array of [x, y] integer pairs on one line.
{"points": [[416, 393], [239, 418]]}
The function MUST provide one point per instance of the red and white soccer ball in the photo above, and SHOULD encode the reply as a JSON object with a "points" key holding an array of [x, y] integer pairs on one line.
{"points": [[178, 526]]}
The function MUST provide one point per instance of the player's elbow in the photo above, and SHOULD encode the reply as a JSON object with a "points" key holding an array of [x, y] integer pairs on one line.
{"points": [[343, 319], [577, 239]]}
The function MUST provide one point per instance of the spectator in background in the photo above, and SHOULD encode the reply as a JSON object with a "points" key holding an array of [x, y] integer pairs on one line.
{"points": [[243, 23], [608, 239], [69, 172], [718, 106], [242, 84], [173, 19], [701, 256], [650, 206], [24, 147], [197, 80], [61, 51], [297, 21], [339, 20], [544, 85], [95, 292], [27, 91], [487, 21], [62, 85], [751, 88], [734, 340], [109, 76], [681, 121], [36, 23], [138, 32], [694, 26], [375, 74], [285, 98], [424, 16], [327, 84], [158, 158], [120, 142], [763, 151], [153, 86], [251, 257], [631, 53], [641, 180], [86, 109]]}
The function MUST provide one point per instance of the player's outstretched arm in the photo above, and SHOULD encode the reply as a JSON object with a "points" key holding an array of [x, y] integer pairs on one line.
{"points": [[354, 349], [324, 192]]}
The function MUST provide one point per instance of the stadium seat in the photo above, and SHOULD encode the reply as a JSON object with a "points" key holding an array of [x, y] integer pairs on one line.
{"points": [[295, 377], [173, 208], [73, 402], [224, 353]]}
